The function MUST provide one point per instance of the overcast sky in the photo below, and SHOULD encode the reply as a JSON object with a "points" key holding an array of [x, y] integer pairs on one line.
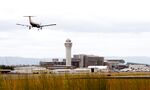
{"points": [[98, 27]]}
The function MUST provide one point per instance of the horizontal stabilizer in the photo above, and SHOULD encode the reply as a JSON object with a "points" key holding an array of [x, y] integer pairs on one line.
{"points": [[23, 25], [29, 16]]}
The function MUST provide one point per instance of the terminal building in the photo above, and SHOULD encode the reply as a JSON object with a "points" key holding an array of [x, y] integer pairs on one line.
{"points": [[89, 60], [115, 64], [78, 61]]}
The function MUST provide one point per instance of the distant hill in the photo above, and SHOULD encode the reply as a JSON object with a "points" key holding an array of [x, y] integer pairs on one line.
{"points": [[18, 61], [35, 61]]}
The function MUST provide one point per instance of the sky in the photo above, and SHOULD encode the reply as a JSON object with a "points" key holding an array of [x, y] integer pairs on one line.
{"points": [[97, 27]]}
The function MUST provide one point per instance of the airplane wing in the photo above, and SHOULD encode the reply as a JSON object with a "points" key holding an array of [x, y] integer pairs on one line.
{"points": [[48, 25], [23, 25]]}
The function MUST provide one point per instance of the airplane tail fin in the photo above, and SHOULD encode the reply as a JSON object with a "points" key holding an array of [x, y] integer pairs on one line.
{"points": [[29, 16]]}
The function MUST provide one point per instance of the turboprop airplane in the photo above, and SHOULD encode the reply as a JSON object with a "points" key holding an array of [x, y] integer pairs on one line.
{"points": [[33, 24]]}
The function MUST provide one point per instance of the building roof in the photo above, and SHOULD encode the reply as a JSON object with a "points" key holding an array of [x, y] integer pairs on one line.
{"points": [[116, 60], [98, 67], [131, 63]]}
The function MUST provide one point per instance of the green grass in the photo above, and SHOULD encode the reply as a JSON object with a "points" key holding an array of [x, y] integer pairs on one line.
{"points": [[70, 82]]}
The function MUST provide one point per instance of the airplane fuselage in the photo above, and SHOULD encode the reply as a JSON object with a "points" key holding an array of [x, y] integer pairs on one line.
{"points": [[35, 25]]}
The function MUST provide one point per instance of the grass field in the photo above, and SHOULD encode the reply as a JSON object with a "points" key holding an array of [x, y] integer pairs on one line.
{"points": [[72, 82]]}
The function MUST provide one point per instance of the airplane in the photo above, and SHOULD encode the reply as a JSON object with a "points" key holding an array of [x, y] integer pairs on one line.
{"points": [[33, 24]]}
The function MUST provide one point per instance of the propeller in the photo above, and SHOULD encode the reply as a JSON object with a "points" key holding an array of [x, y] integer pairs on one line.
{"points": [[40, 25]]}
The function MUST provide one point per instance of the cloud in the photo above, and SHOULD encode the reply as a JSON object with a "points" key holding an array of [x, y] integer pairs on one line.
{"points": [[7, 25], [105, 26], [81, 16], [81, 25]]}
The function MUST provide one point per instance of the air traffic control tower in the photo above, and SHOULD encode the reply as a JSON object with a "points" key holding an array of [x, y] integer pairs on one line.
{"points": [[68, 45]]}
